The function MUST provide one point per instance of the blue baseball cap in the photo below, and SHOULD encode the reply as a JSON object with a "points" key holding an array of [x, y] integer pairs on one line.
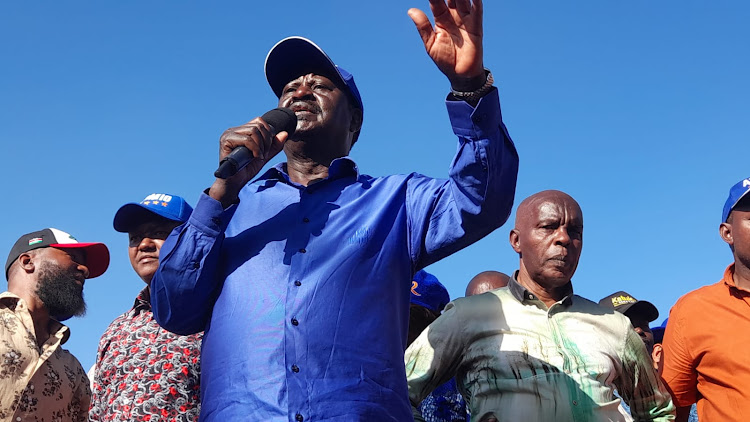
{"points": [[171, 207], [736, 193], [426, 291], [293, 57], [659, 332]]}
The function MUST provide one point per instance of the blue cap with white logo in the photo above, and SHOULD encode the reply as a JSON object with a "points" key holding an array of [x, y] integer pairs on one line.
{"points": [[171, 207], [426, 291], [736, 193], [293, 57]]}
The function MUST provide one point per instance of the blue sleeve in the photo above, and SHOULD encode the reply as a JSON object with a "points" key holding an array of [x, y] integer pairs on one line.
{"points": [[448, 215], [186, 284]]}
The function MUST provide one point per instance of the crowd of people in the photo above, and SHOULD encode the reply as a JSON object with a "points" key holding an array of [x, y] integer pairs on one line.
{"points": [[299, 294]]}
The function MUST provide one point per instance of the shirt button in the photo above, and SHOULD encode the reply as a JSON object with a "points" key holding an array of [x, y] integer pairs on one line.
{"points": [[575, 403], [196, 265], [297, 417], [297, 283], [303, 250], [305, 220], [295, 368], [216, 220], [295, 322]]}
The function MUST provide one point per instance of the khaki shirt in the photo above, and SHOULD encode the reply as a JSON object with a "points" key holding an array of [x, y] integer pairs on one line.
{"points": [[40, 385], [514, 359]]}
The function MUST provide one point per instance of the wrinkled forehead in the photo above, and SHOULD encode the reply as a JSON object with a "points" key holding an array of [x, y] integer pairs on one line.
{"points": [[558, 208]]}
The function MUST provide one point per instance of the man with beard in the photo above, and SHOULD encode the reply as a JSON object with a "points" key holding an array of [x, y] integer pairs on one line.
{"points": [[534, 351], [300, 277], [142, 370], [39, 380]]}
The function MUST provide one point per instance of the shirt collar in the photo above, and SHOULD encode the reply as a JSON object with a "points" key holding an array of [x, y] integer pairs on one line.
{"points": [[16, 304], [524, 296], [728, 279], [143, 301], [339, 168]]}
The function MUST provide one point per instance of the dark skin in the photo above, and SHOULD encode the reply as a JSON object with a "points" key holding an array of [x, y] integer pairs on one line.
{"points": [[144, 243], [23, 281], [327, 122], [419, 318], [486, 281], [640, 324], [736, 233], [548, 237]]}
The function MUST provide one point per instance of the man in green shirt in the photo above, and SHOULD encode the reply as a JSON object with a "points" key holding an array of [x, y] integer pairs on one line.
{"points": [[533, 350]]}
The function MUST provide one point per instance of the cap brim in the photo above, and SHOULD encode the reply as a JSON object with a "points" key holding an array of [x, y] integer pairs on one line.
{"points": [[293, 57], [132, 214], [97, 256], [737, 201], [641, 307]]}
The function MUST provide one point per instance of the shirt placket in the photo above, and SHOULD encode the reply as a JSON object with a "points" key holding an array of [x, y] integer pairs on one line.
{"points": [[299, 289]]}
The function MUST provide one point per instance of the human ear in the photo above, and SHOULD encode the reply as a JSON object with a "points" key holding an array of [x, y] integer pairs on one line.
{"points": [[356, 122], [515, 241], [725, 231], [26, 262]]}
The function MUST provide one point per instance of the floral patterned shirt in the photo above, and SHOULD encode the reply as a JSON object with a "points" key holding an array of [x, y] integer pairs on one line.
{"points": [[44, 384], [144, 372], [444, 404]]}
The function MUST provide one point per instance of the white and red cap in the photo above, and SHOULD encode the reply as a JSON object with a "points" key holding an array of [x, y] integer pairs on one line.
{"points": [[97, 254]]}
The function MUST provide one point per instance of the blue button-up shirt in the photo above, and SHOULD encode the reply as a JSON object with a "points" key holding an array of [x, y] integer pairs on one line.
{"points": [[303, 291]]}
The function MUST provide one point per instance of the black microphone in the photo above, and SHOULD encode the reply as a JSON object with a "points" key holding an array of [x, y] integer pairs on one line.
{"points": [[280, 119]]}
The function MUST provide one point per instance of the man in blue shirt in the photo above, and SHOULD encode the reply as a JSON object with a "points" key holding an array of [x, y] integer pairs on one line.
{"points": [[301, 278]]}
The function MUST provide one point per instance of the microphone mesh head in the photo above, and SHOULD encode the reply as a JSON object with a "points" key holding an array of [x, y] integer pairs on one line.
{"points": [[282, 119]]}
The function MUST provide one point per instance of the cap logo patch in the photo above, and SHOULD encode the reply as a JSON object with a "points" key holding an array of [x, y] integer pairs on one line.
{"points": [[157, 199], [622, 300], [746, 183], [35, 240], [414, 286]]}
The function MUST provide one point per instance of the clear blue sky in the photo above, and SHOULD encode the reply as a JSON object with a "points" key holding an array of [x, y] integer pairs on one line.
{"points": [[638, 109]]}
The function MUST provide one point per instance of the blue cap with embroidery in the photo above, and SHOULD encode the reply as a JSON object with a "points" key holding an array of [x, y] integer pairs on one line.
{"points": [[426, 291], [736, 193], [293, 57], [171, 207]]}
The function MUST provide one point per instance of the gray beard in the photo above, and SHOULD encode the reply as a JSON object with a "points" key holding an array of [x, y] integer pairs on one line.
{"points": [[60, 292]]}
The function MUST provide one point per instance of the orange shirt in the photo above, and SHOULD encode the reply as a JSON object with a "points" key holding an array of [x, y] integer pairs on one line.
{"points": [[707, 351]]}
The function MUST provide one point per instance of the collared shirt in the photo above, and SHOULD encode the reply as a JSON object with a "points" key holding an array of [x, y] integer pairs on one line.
{"points": [[145, 373], [44, 384], [304, 290], [517, 360], [707, 351]]}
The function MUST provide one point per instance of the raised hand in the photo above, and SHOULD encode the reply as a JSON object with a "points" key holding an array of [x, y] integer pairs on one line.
{"points": [[455, 42]]}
